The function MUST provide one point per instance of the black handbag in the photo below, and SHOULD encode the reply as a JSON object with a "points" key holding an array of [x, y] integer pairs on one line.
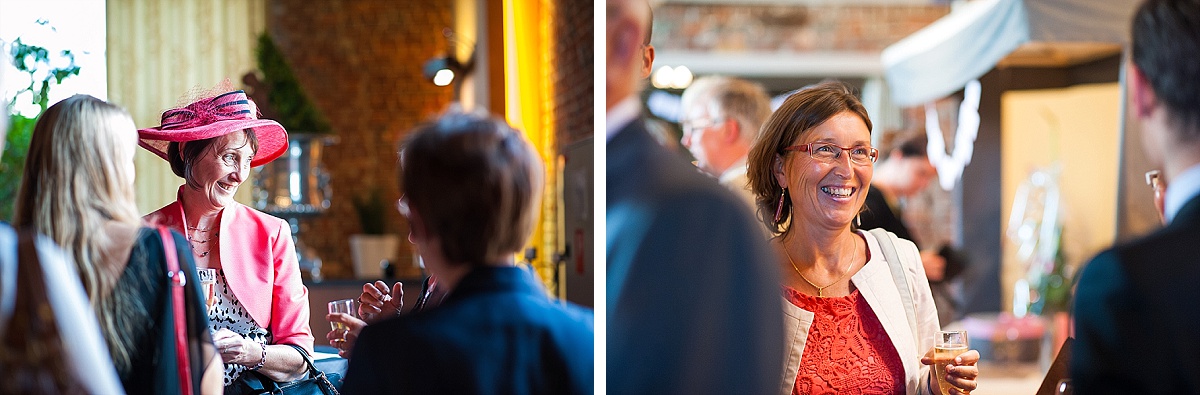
{"points": [[316, 383]]}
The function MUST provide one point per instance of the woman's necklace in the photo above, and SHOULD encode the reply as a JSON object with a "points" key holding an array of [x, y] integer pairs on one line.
{"points": [[820, 289], [195, 249]]}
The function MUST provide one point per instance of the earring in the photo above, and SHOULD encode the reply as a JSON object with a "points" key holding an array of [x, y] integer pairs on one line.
{"points": [[858, 220], [779, 209]]}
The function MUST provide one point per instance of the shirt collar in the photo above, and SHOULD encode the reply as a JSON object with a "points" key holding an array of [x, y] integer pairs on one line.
{"points": [[1181, 189], [621, 115], [738, 169]]}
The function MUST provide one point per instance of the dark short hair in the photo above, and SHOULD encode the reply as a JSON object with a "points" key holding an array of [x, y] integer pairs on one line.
{"points": [[1166, 48], [475, 182], [800, 112], [911, 144], [181, 164]]}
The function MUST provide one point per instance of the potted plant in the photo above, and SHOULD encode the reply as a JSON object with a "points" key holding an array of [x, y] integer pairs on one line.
{"points": [[374, 245], [279, 96]]}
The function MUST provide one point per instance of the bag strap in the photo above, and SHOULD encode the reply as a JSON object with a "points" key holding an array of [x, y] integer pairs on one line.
{"points": [[887, 243], [177, 281], [261, 384]]}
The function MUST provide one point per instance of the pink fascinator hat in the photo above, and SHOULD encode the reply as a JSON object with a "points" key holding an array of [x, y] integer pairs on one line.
{"points": [[212, 117]]}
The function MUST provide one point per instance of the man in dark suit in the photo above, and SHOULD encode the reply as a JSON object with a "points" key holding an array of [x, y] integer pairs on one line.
{"points": [[1137, 306], [692, 291], [472, 186]]}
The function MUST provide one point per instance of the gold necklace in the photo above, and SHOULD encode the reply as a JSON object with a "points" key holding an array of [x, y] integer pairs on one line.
{"points": [[820, 289]]}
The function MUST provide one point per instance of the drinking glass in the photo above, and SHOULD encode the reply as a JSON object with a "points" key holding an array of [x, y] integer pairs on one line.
{"points": [[344, 306], [949, 344], [208, 282]]}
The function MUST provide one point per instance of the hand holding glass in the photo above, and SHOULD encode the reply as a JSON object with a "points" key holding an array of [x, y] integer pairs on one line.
{"points": [[344, 306], [949, 344]]}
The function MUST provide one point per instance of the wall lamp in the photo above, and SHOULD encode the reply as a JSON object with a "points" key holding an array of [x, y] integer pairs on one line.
{"points": [[446, 70]]}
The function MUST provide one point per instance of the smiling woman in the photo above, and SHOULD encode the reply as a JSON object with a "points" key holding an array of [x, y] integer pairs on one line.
{"points": [[810, 170], [261, 307]]}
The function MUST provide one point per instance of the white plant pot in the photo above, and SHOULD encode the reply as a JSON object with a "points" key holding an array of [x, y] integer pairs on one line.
{"points": [[369, 250]]}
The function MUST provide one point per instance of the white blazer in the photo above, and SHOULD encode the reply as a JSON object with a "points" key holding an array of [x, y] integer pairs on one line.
{"points": [[874, 281]]}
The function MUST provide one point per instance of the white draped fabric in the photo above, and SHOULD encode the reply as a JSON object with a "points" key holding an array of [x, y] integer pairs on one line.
{"points": [[962, 46]]}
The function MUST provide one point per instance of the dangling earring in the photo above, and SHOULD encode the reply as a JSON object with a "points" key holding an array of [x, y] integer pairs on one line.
{"points": [[779, 209], [858, 220]]}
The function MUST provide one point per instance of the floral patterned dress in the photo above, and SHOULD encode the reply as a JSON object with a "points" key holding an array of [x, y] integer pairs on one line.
{"points": [[847, 351]]}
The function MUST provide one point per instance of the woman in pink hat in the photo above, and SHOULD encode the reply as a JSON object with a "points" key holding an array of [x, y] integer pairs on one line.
{"points": [[258, 307]]}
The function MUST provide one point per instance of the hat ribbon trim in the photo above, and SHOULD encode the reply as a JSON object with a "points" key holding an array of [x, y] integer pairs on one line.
{"points": [[226, 107]]}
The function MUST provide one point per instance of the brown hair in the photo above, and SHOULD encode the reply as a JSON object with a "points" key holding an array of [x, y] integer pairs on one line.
{"points": [[181, 164], [475, 182], [800, 113]]}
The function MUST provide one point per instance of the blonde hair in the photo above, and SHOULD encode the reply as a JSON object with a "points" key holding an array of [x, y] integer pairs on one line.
{"points": [[78, 178]]}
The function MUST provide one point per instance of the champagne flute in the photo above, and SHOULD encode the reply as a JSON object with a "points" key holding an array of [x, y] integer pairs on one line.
{"points": [[208, 282], [949, 344], [344, 306]]}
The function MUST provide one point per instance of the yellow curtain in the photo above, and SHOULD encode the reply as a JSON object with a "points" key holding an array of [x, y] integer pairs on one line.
{"points": [[529, 94], [158, 51]]}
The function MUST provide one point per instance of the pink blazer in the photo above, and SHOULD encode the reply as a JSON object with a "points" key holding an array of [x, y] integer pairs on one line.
{"points": [[260, 265]]}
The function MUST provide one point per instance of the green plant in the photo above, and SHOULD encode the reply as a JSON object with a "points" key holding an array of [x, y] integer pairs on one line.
{"points": [[285, 95], [31, 60], [372, 212], [12, 163], [1054, 288]]}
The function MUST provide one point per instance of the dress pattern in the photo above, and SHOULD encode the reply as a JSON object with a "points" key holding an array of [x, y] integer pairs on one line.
{"points": [[847, 351], [230, 314]]}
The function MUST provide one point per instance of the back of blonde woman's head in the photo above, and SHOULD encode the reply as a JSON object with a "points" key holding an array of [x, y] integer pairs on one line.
{"points": [[799, 114], [78, 178]]}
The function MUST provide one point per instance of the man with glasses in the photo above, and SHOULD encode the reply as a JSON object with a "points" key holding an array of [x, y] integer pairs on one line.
{"points": [[1135, 305], [721, 118]]}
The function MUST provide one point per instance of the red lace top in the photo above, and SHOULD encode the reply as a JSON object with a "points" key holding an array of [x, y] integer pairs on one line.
{"points": [[848, 351]]}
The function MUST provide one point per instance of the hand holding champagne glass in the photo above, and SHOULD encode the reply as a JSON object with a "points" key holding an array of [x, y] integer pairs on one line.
{"points": [[949, 344], [345, 326], [953, 363], [343, 306]]}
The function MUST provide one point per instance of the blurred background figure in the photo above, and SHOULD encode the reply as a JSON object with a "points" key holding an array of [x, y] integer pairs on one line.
{"points": [[692, 294], [1138, 297], [78, 190], [902, 173], [471, 187], [258, 304], [721, 118]]}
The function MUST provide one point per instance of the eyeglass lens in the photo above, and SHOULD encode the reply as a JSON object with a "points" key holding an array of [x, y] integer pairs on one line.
{"points": [[829, 152]]}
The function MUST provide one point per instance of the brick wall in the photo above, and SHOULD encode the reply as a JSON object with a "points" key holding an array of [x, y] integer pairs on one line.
{"points": [[790, 28], [360, 62], [573, 56]]}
